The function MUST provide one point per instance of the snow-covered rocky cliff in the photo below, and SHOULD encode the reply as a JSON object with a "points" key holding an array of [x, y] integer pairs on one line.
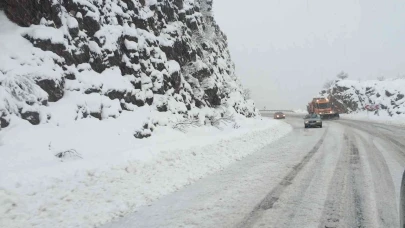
{"points": [[66, 60], [350, 96]]}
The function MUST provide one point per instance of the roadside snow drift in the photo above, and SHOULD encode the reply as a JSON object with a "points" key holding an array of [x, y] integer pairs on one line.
{"points": [[106, 173]]}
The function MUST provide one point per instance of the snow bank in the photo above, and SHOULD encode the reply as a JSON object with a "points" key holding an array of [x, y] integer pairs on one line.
{"points": [[114, 174]]}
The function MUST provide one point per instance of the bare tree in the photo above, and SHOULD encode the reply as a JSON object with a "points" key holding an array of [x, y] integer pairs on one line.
{"points": [[328, 84], [381, 78], [185, 124], [342, 75], [247, 94], [401, 76]]}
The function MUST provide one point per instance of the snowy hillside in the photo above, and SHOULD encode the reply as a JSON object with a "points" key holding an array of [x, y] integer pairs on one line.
{"points": [[97, 59], [349, 96]]}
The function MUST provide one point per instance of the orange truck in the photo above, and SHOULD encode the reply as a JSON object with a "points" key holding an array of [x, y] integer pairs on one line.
{"points": [[322, 107]]}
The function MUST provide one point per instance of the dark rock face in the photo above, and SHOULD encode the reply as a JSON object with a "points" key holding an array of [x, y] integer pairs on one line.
{"points": [[90, 25], [55, 90], [4, 122], [140, 40], [32, 117], [96, 115], [212, 96], [27, 12]]}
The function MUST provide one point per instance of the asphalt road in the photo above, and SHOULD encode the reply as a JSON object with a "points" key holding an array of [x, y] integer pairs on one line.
{"points": [[346, 174]]}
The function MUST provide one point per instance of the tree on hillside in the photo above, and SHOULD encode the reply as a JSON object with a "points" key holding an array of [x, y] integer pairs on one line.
{"points": [[381, 78], [328, 84], [247, 94], [342, 75], [401, 76]]}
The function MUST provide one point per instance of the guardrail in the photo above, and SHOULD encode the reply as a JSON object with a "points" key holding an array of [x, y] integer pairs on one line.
{"points": [[276, 110]]}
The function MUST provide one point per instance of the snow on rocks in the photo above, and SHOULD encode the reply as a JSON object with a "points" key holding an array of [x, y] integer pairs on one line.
{"points": [[125, 50], [349, 96]]}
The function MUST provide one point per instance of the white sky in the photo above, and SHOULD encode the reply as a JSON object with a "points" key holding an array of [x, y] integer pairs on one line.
{"points": [[285, 50]]}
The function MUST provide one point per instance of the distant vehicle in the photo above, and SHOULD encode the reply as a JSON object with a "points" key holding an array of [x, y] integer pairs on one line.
{"points": [[322, 107], [312, 120], [279, 115]]}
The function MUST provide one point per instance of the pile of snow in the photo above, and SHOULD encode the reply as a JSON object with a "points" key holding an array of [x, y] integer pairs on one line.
{"points": [[96, 180], [349, 96]]}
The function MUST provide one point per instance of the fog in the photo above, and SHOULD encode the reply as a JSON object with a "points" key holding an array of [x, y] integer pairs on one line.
{"points": [[285, 51]]}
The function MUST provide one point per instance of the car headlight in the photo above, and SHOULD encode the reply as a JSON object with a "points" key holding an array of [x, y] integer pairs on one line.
{"points": [[306, 121], [331, 112], [318, 121], [277, 116]]}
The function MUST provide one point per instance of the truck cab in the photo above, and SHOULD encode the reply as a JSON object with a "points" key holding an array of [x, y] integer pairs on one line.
{"points": [[322, 107]]}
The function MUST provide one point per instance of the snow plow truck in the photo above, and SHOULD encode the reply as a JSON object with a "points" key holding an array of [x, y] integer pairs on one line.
{"points": [[322, 107]]}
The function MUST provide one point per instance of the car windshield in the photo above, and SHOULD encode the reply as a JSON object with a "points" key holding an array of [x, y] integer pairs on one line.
{"points": [[309, 116]]}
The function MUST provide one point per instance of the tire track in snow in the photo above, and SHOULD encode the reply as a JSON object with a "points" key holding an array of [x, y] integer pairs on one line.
{"points": [[334, 205], [273, 196], [348, 204], [377, 133], [356, 179], [384, 188]]}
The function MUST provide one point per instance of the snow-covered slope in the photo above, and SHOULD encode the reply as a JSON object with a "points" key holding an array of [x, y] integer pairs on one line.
{"points": [[97, 59], [349, 96]]}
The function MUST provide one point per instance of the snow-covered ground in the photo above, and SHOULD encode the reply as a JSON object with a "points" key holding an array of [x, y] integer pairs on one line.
{"points": [[113, 173], [370, 117]]}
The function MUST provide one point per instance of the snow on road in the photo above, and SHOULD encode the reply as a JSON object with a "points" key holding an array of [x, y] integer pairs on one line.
{"points": [[344, 175], [383, 118], [117, 173]]}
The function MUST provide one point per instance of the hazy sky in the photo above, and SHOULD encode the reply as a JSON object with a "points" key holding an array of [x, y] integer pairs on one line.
{"points": [[285, 50]]}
